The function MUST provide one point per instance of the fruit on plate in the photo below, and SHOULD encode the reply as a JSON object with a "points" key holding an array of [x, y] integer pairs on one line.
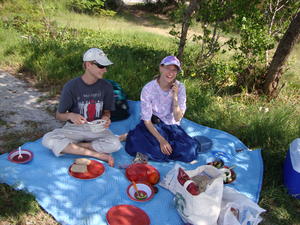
{"points": [[228, 175], [218, 163], [153, 178]]}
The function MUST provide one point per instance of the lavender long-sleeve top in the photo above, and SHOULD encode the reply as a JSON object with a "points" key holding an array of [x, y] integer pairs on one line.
{"points": [[158, 102]]}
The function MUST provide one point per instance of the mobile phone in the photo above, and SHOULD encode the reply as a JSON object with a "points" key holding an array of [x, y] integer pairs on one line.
{"points": [[173, 83]]}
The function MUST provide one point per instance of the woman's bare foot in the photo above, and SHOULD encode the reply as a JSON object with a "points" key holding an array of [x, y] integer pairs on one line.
{"points": [[123, 137]]}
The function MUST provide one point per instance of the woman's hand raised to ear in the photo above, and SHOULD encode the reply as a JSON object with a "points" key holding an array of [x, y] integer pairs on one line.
{"points": [[174, 89]]}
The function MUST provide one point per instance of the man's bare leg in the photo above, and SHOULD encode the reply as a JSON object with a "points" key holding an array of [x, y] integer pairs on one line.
{"points": [[86, 149]]}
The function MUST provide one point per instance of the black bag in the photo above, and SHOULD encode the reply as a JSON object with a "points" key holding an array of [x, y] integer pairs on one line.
{"points": [[122, 109], [155, 119]]}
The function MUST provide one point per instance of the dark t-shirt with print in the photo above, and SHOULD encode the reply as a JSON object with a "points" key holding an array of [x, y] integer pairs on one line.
{"points": [[87, 100]]}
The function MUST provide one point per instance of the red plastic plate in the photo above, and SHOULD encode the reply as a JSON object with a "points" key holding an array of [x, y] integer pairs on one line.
{"points": [[95, 169], [26, 156], [144, 173], [127, 215]]}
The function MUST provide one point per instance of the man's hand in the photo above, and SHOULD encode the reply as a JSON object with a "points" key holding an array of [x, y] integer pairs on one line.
{"points": [[77, 118], [108, 121]]}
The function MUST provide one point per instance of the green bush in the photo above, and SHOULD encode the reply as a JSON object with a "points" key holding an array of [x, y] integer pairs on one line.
{"points": [[86, 6], [217, 74], [93, 7]]}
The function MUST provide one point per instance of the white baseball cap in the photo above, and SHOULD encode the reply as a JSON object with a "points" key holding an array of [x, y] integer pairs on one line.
{"points": [[96, 54]]}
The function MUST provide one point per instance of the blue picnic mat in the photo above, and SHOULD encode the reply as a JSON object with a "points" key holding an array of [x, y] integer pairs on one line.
{"points": [[73, 201]]}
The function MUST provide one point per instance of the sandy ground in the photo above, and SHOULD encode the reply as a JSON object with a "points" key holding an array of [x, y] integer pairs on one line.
{"points": [[22, 105]]}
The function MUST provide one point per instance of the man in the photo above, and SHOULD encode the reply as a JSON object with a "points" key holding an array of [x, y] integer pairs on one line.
{"points": [[84, 99]]}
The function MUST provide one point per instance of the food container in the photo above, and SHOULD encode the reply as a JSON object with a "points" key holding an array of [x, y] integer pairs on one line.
{"points": [[145, 192], [142, 173], [97, 125]]}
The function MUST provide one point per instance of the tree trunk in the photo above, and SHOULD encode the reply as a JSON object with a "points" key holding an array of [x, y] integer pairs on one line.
{"points": [[186, 24], [283, 51]]}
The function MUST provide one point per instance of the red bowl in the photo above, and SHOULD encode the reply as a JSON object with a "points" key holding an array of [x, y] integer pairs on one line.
{"points": [[26, 156], [142, 173]]}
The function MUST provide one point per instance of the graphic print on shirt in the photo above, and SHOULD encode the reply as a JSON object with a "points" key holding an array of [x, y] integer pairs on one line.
{"points": [[90, 106], [91, 110], [99, 107]]}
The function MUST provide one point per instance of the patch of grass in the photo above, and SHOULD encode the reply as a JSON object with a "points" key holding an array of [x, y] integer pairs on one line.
{"points": [[16, 203], [9, 39], [12, 140], [257, 123], [280, 210], [20, 208], [122, 22]]}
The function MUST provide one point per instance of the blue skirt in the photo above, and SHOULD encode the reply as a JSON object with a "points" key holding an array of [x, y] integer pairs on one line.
{"points": [[141, 140]]}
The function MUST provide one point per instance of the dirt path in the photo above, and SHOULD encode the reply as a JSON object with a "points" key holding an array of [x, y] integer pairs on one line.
{"points": [[22, 109]]}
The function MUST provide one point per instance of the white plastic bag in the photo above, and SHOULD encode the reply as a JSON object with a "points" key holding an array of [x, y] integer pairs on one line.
{"points": [[237, 209], [201, 209]]}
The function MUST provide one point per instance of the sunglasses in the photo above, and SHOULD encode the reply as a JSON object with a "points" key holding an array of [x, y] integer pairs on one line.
{"points": [[99, 66]]}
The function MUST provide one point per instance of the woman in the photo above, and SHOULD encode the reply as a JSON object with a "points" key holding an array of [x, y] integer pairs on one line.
{"points": [[163, 104]]}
